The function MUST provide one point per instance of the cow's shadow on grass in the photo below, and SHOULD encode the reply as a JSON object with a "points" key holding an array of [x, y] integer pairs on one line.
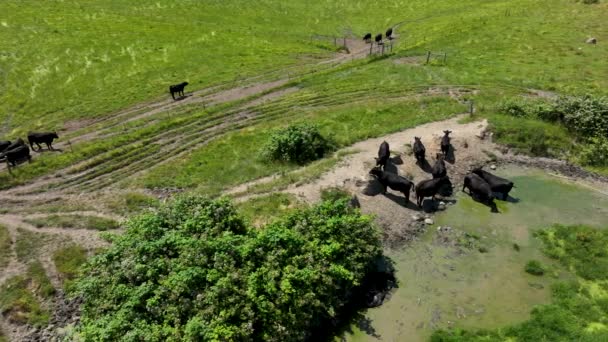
{"points": [[179, 98], [46, 150], [509, 198]]}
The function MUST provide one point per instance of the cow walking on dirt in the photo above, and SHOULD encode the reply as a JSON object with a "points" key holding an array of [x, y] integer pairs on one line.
{"points": [[42, 137]]}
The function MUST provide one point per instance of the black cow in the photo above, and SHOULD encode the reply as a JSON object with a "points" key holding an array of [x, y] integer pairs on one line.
{"points": [[42, 137], [389, 33], [439, 169], [497, 184], [445, 143], [177, 88], [419, 150], [15, 144], [383, 154], [429, 188], [378, 38], [479, 187], [367, 38], [4, 145], [393, 181], [15, 155]]}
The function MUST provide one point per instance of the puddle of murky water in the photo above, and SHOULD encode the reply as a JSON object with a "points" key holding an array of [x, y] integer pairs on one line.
{"points": [[439, 287]]}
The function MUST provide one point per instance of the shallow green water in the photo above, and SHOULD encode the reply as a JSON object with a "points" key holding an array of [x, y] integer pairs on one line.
{"points": [[441, 285]]}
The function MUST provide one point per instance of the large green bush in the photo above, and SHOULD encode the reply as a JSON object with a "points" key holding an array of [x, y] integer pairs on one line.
{"points": [[595, 152], [587, 115], [298, 143], [193, 271]]}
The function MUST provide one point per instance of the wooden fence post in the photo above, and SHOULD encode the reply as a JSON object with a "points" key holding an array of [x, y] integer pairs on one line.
{"points": [[445, 58], [371, 46], [344, 41], [71, 148], [471, 108], [428, 57]]}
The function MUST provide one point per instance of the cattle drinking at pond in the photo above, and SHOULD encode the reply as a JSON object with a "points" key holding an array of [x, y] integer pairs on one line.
{"points": [[177, 89], [429, 188], [478, 187], [42, 137], [445, 143], [497, 184], [393, 181], [383, 155]]}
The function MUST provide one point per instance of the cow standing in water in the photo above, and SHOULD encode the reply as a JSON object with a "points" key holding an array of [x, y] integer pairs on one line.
{"points": [[497, 184], [42, 137], [177, 89]]}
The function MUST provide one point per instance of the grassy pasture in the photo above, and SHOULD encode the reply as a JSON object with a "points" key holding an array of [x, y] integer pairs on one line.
{"points": [[499, 48], [75, 221], [66, 60]]}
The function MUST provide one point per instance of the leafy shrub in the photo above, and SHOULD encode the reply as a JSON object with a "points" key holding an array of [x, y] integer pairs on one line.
{"points": [[586, 115], [299, 143], [193, 271], [529, 136], [595, 152], [533, 109], [534, 267]]}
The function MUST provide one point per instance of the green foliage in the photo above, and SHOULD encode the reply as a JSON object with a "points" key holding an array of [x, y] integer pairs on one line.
{"points": [[534, 267], [298, 143], [579, 309], [581, 248], [5, 247], [131, 203], [522, 107], [74, 221], [334, 194], [193, 271], [68, 261], [531, 136], [20, 297], [595, 152], [586, 115]]}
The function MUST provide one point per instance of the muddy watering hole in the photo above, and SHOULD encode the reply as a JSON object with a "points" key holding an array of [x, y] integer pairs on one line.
{"points": [[470, 272]]}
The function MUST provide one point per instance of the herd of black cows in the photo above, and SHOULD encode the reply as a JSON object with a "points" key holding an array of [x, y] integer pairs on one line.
{"points": [[480, 183], [18, 151], [378, 39]]}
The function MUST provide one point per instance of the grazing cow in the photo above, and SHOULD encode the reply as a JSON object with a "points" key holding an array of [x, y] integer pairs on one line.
{"points": [[383, 154], [177, 88], [17, 154], [429, 188], [4, 145], [393, 181], [419, 150], [445, 143], [378, 38], [439, 169], [479, 187], [389, 33], [367, 38], [42, 137], [497, 184]]}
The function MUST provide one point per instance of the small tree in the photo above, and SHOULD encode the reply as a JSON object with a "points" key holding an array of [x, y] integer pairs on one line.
{"points": [[299, 143]]}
